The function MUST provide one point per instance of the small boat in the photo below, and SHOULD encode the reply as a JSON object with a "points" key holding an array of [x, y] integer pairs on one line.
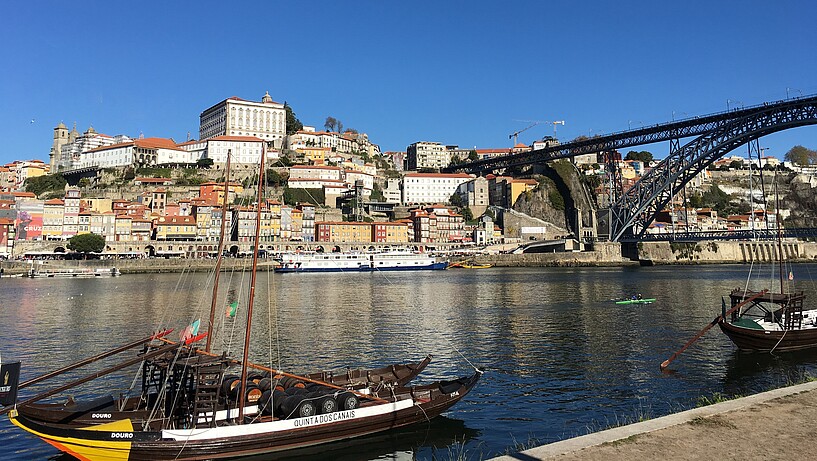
{"points": [[636, 301], [357, 262], [476, 266]]}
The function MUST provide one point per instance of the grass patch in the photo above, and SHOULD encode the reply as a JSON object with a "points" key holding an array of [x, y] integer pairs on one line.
{"points": [[619, 442], [716, 397], [716, 421]]}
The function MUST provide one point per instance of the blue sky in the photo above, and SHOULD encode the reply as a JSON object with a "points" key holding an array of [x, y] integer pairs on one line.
{"points": [[467, 73]]}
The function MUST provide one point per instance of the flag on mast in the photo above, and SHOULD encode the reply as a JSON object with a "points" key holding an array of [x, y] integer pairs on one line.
{"points": [[190, 331]]}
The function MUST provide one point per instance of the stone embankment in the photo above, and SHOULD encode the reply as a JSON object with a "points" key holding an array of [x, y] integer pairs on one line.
{"points": [[136, 266], [604, 254]]}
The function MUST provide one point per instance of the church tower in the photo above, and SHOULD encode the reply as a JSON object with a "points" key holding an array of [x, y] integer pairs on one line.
{"points": [[60, 139]]}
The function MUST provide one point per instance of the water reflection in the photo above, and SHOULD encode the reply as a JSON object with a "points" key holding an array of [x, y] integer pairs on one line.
{"points": [[560, 357]]}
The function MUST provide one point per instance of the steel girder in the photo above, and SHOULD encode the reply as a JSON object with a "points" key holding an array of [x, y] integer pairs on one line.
{"points": [[638, 207], [657, 133]]}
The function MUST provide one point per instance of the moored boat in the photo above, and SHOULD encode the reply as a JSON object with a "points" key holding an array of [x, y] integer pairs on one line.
{"points": [[771, 322], [358, 261], [109, 408]]}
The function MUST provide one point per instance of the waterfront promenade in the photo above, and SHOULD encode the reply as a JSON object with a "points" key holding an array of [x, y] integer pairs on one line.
{"points": [[774, 425]]}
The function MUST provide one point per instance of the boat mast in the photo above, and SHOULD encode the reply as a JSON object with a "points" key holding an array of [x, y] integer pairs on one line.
{"points": [[245, 359], [779, 233], [220, 252]]}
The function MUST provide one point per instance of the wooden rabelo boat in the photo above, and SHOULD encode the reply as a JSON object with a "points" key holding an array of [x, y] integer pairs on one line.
{"points": [[138, 408], [191, 408], [771, 322]]}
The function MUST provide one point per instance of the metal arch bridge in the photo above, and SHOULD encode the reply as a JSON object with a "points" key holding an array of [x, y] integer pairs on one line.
{"points": [[716, 135]]}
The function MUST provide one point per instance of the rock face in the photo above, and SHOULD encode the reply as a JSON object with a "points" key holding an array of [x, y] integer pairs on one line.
{"points": [[800, 202], [561, 198]]}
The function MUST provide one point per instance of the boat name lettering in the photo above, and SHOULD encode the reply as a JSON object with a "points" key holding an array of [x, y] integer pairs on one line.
{"points": [[121, 435], [454, 394], [5, 388], [101, 415], [321, 419]]}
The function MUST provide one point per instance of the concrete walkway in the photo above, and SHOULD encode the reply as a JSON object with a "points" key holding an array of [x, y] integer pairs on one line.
{"points": [[778, 424]]}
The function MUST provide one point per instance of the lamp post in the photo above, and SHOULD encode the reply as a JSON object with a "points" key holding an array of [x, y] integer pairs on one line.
{"points": [[793, 89]]}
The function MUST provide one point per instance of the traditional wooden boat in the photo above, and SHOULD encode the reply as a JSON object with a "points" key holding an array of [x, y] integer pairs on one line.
{"points": [[771, 322], [260, 433], [191, 408], [109, 408]]}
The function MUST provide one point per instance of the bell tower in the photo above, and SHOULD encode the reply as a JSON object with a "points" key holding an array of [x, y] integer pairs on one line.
{"points": [[60, 139]]}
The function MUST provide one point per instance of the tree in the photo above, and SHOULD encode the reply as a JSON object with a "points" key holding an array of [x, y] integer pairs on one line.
{"points": [[472, 156], [800, 155], [331, 123], [351, 131], [87, 243], [293, 124], [340, 126], [275, 179], [455, 200], [467, 214], [643, 156], [204, 163], [40, 184]]}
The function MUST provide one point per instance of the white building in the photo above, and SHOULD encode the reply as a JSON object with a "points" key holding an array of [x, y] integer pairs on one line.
{"points": [[316, 172], [239, 117], [474, 194], [427, 155], [421, 188], [139, 152]]}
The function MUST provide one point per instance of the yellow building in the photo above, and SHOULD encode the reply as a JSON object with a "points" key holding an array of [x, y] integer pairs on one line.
{"points": [[175, 228], [122, 226], [53, 215], [315, 155], [343, 232], [390, 232]]}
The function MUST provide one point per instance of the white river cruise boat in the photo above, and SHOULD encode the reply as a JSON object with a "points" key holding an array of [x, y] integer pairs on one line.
{"points": [[358, 262]]}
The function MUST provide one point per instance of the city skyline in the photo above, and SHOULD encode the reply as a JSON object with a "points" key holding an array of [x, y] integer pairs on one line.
{"points": [[469, 74]]}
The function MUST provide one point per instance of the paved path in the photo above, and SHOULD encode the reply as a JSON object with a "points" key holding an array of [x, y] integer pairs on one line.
{"points": [[776, 425]]}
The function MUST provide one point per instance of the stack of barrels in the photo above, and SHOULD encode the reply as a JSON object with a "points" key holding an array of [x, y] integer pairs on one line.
{"points": [[287, 397]]}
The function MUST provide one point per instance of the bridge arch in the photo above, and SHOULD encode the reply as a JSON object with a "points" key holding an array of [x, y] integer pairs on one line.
{"points": [[637, 208]]}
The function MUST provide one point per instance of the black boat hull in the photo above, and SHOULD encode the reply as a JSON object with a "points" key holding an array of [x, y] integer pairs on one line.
{"points": [[754, 340]]}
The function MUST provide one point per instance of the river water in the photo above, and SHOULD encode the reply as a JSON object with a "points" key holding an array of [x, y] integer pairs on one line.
{"points": [[560, 358]]}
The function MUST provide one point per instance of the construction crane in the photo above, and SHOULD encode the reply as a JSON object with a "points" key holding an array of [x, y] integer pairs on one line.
{"points": [[515, 135], [558, 122]]}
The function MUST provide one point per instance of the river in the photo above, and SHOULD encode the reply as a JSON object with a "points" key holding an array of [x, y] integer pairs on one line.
{"points": [[560, 358]]}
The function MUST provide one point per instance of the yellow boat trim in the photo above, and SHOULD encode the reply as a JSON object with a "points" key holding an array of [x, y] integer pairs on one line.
{"points": [[88, 450]]}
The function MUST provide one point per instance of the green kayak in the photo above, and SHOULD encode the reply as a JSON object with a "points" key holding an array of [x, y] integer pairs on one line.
{"points": [[637, 301]]}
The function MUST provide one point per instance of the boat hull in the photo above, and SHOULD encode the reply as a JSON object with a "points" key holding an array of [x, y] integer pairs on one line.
{"points": [[428, 267], [119, 441], [758, 340]]}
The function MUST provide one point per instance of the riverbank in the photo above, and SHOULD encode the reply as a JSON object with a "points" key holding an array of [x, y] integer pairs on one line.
{"points": [[135, 266], [773, 425], [604, 254]]}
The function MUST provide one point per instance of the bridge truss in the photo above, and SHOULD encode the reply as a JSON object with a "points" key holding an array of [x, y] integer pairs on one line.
{"points": [[715, 136]]}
